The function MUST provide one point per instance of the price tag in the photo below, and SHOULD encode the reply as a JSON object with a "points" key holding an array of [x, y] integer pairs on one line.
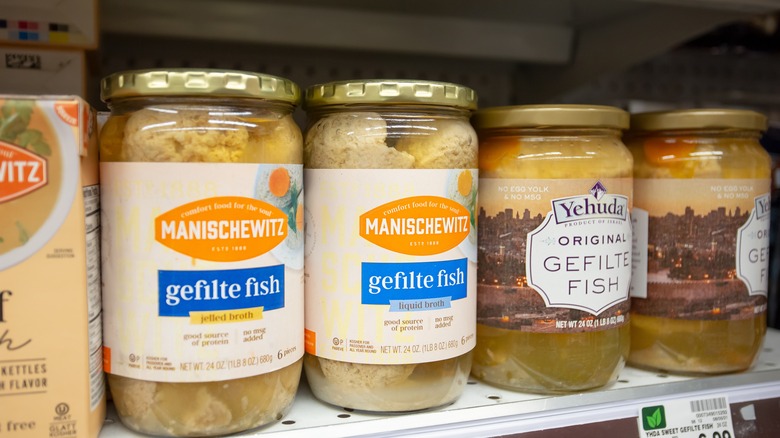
{"points": [[687, 418]]}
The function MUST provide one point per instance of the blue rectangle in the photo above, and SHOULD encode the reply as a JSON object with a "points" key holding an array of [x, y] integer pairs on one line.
{"points": [[182, 292], [385, 282]]}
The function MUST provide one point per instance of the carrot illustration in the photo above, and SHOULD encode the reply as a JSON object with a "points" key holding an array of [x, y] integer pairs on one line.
{"points": [[299, 217], [464, 183], [279, 182]]}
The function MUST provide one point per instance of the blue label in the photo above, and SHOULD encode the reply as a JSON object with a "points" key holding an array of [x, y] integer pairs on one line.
{"points": [[420, 305], [182, 292], [383, 283]]}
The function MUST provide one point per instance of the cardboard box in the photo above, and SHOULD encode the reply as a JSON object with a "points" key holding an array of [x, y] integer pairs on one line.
{"points": [[62, 23], [51, 379], [28, 70]]}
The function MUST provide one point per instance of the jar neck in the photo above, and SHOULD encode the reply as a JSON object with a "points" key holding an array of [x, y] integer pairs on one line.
{"points": [[551, 132], [385, 110], [698, 133], [232, 105]]}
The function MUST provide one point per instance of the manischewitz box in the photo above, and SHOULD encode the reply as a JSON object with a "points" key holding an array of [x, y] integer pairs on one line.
{"points": [[51, 381]]}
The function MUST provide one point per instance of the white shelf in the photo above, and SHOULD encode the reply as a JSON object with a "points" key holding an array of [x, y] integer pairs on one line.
{"points": [[484, 410], [545, 47]]}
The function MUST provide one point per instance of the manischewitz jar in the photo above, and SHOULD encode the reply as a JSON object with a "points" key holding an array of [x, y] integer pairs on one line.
{"points": [[390, 168], [554, 252], [202, 249], [699, 291]]}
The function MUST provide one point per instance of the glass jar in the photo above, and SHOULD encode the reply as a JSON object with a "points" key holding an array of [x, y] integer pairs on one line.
{"points": [[390, 251], [702, 195], [555, 247], [201, 174]]}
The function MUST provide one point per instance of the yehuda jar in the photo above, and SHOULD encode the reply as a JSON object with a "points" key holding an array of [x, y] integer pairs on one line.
{"points": [[702, 220], [554, 258]]}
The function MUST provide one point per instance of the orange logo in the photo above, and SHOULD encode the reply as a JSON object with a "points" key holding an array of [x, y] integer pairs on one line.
{"points": [[222, 229], [106, 359], [21, 172], [420, 225], [68, 112], [310, 341]]}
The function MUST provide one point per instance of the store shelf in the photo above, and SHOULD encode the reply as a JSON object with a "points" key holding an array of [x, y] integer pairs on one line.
{"points": [[342, 25], [535, 49], [555, 45], [484, 410]]}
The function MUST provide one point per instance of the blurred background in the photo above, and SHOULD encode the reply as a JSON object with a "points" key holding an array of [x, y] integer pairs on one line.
{"points": [[636, 54]]}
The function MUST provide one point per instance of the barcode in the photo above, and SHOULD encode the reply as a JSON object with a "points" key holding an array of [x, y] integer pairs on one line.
{"points": [[712, 404], [23, 60]]}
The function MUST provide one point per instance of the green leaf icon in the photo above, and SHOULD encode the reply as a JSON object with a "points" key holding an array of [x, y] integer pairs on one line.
{"points": [[655, 419], [292, 207], [23, 236], [12, 126], [6, 110], [33, 139]]}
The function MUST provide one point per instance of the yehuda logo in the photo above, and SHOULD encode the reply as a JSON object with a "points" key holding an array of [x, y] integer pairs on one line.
{"points": [[597, 204]]}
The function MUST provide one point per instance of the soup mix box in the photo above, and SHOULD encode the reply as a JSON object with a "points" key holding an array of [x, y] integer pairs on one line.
{"points": [[32, 70], [51, 379]]}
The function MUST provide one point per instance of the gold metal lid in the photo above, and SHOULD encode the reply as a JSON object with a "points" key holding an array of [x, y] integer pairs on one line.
{"points": [[203, 83], [551, 116], [390, 91], [706, 118]]}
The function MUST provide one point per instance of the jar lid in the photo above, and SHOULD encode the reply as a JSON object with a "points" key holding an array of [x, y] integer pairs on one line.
{"points": [[198, 83], [390, 92], [551, 116], [707, 118]]}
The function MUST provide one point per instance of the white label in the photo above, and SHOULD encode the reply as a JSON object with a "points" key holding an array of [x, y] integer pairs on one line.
{"points": [[97, 380], [92, 223], [580, 256], [202, 269], [94, 303], [639, 220], [390, 264], [753, 248], [687, 418]]}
